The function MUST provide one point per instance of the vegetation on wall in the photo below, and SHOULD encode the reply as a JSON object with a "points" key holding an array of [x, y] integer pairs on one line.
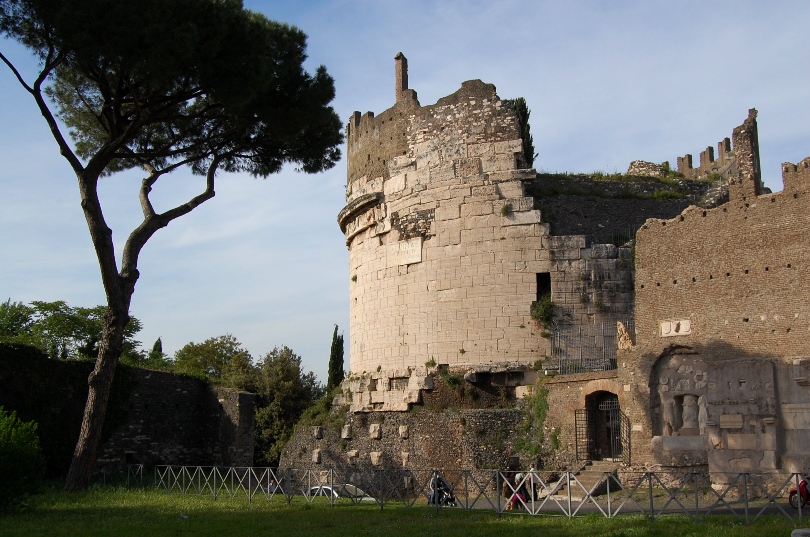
{"points": [[523, 113], [543, 310], [531, 438]]}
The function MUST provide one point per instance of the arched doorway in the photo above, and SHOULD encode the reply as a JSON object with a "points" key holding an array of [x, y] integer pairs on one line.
{"points": [[602, 429]]}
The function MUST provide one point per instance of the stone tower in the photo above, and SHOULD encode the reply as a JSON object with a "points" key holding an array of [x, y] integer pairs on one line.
{"points": [[443, 242]]}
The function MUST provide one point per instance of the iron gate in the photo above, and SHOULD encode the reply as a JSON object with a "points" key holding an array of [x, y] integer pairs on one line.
{"points": [[602, 433]]}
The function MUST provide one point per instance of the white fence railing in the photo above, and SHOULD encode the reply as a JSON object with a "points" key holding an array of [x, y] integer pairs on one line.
{"points": [[744, 496]]}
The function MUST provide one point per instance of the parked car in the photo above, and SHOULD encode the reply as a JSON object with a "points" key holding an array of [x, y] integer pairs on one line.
{"points": [[346, 490]]}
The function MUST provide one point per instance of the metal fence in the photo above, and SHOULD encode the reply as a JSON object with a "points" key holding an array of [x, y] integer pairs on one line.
{"points": [[583, 349], [745, 496]]}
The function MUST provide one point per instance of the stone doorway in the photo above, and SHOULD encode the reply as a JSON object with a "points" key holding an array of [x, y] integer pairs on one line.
{"points": [[602, 429]]}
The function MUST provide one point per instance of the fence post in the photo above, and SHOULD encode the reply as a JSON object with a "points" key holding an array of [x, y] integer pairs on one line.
{"points": [[498, 491], [745, 495], [568, 479], [382, 503], [650, 491], [697, 505]]}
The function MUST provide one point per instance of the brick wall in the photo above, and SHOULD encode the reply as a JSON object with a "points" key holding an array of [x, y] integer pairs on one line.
{"points": [[737, 272]]}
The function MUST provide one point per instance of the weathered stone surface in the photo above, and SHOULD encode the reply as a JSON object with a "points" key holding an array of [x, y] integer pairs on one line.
{"points": [[720, 308], [731, 421]]}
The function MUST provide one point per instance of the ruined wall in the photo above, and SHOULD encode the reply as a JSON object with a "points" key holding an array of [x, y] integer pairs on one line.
{"points": [[153, 417], [722, 317], [733, 273], [421, 440], [591, 285], [609, 212], [725, 162], [173, 419]]}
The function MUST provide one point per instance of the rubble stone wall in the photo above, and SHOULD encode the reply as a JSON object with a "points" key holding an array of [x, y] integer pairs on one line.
{"points": [[153, 417], [422, 440]]}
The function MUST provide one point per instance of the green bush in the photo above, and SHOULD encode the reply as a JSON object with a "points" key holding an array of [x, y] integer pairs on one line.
{"points": [[543, 310], [22, 465]]}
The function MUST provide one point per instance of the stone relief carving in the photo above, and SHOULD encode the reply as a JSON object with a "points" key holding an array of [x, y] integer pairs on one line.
{"points": [[677, 327], [623, 338], [703, 414], [690, 412], [681, 404]]}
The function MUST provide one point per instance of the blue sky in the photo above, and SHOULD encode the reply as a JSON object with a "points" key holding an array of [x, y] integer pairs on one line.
{"points": [[607, 83]]}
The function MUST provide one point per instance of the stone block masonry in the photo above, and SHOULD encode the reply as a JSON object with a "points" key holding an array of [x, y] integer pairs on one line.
{"points": [[451, 240], [442, 239], [449, 246]]}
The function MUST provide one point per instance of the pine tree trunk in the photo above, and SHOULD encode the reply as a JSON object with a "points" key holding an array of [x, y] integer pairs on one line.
{"points": [[100, 384]]}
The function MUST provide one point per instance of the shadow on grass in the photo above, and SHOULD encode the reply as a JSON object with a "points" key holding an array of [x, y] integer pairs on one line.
{"points": [[124, 513]]}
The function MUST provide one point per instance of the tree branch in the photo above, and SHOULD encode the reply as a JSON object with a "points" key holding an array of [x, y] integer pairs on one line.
{"points": [[153, 222], [52, 60], [17, 74]]}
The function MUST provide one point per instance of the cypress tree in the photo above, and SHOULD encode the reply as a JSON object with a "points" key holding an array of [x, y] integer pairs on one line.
{"points": [[523, 113], [335, 361]]}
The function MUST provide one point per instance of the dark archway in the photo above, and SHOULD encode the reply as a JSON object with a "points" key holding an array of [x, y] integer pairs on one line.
{"points": [[602, 430]]}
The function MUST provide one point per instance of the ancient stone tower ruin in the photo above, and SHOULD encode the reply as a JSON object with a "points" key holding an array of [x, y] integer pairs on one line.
{"points": [[453, 242], [448, 252]]}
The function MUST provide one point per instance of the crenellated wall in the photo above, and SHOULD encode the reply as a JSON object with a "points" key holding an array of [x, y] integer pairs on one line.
{"points": [[750, 255], [724, 164], [718, 375]]}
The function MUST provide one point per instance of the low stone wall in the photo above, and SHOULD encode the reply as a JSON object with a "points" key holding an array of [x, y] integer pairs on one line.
{"points": [[419, 439], [153, 417]]}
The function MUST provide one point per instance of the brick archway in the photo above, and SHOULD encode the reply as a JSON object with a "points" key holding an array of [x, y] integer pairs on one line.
{"points": [[602, 430], [601, 385]]}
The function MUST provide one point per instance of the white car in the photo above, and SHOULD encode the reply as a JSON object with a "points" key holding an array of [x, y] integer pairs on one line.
{"points": [[347, 490]]}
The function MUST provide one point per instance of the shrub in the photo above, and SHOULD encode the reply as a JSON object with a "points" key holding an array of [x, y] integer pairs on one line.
{"points": [[21, 462], [543, 310]]}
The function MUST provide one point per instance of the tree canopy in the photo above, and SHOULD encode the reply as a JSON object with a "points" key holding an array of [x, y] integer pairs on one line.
{"points": [[217, 358], [284, 392], [158, 85], [63, 332]]}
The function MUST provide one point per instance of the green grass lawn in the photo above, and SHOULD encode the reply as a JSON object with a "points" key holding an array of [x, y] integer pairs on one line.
{"points": [[123, 513]]}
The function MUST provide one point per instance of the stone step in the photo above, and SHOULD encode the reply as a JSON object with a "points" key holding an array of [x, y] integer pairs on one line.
{"points": [[590, 475]]}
